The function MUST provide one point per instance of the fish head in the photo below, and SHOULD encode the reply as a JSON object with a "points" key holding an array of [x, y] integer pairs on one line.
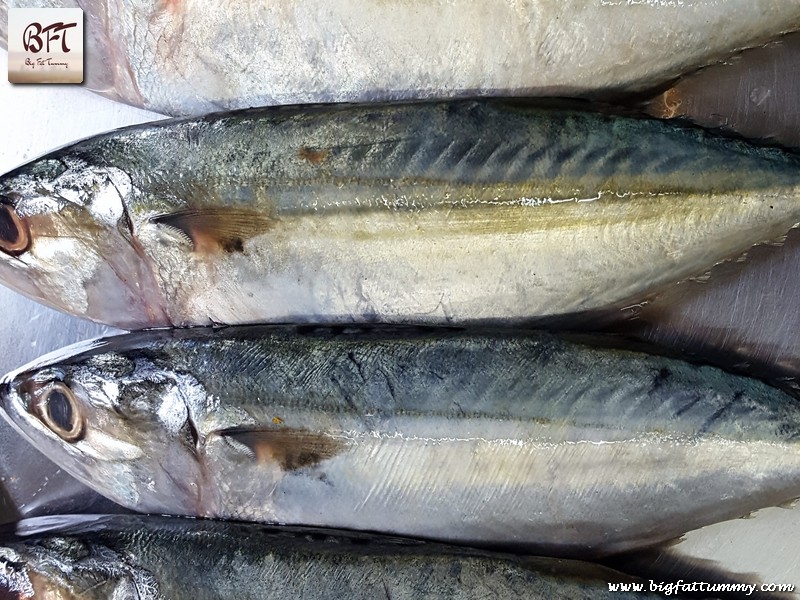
{"points": [[67, 568], [66, 241], [119, 424]]}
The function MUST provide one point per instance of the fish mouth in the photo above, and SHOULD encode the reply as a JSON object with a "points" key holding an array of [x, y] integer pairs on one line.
{"points": [[12, 407], [5, 394]]}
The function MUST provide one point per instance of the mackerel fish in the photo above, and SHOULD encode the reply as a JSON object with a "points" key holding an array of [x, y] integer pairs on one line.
{"points": [[535, 443], [413, 213], [154, 558], [190, 58]]}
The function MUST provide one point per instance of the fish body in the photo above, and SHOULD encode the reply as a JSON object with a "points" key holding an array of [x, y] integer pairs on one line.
{"points": [[423, 213], [534, 443], [153, 558], [189, 58]]}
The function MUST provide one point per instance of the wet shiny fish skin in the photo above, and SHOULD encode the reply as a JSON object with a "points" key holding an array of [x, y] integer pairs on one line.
{"points": [[423, 213], [99, 557], [186, 58], [536, 443]]}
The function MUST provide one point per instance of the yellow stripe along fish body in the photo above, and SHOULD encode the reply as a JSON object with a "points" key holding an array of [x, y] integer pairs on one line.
{"points": [[536, 443], [425, 213]]}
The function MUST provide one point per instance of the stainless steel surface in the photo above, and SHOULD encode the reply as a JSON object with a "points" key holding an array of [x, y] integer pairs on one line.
{"points": [[746, 312], [760, 104]]}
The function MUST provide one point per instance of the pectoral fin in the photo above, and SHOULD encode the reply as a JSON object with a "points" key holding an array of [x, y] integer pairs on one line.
{"points": [[216, 228], [290, 448]]}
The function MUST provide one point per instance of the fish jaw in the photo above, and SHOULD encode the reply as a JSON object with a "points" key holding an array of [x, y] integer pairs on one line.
{"points": [[69, 243]]}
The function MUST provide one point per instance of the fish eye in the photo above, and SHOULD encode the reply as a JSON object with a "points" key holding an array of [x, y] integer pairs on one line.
{"points": [[58, 408], [14, 235]]}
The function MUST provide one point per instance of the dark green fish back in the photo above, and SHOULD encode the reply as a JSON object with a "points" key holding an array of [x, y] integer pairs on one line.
{"points": [[539, 377], [157, 557], [553, 153]]}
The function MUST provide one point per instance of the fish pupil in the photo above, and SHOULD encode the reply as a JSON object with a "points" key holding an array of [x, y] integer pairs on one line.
{"points": [[9, 232], [60, 411]]}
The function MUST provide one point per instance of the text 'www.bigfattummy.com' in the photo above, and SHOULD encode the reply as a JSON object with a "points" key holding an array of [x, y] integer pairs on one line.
{"points": [[680, 586]]}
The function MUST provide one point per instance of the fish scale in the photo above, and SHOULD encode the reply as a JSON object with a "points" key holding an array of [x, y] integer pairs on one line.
{"points": [[191, 59], [412, 155], [536, 442], [150, 558], [430, 213]]}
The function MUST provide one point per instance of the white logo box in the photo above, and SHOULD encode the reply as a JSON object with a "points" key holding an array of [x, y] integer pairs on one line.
{"points": [[45, 45]]}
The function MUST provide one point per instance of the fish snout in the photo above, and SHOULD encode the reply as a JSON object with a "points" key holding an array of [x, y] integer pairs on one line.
{"points": [[10, 404], [5, 391], [52, 403]]}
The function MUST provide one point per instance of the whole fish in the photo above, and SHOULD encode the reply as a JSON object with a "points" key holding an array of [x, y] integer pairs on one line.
{"points": [[423, 213], [190, 58], [154, 558], [535, 443]]}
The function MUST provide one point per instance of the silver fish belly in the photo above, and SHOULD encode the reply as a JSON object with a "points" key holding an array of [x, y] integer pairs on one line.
{"points": [[189, 58], [422, 213], [151, 558], [535, 443]]}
